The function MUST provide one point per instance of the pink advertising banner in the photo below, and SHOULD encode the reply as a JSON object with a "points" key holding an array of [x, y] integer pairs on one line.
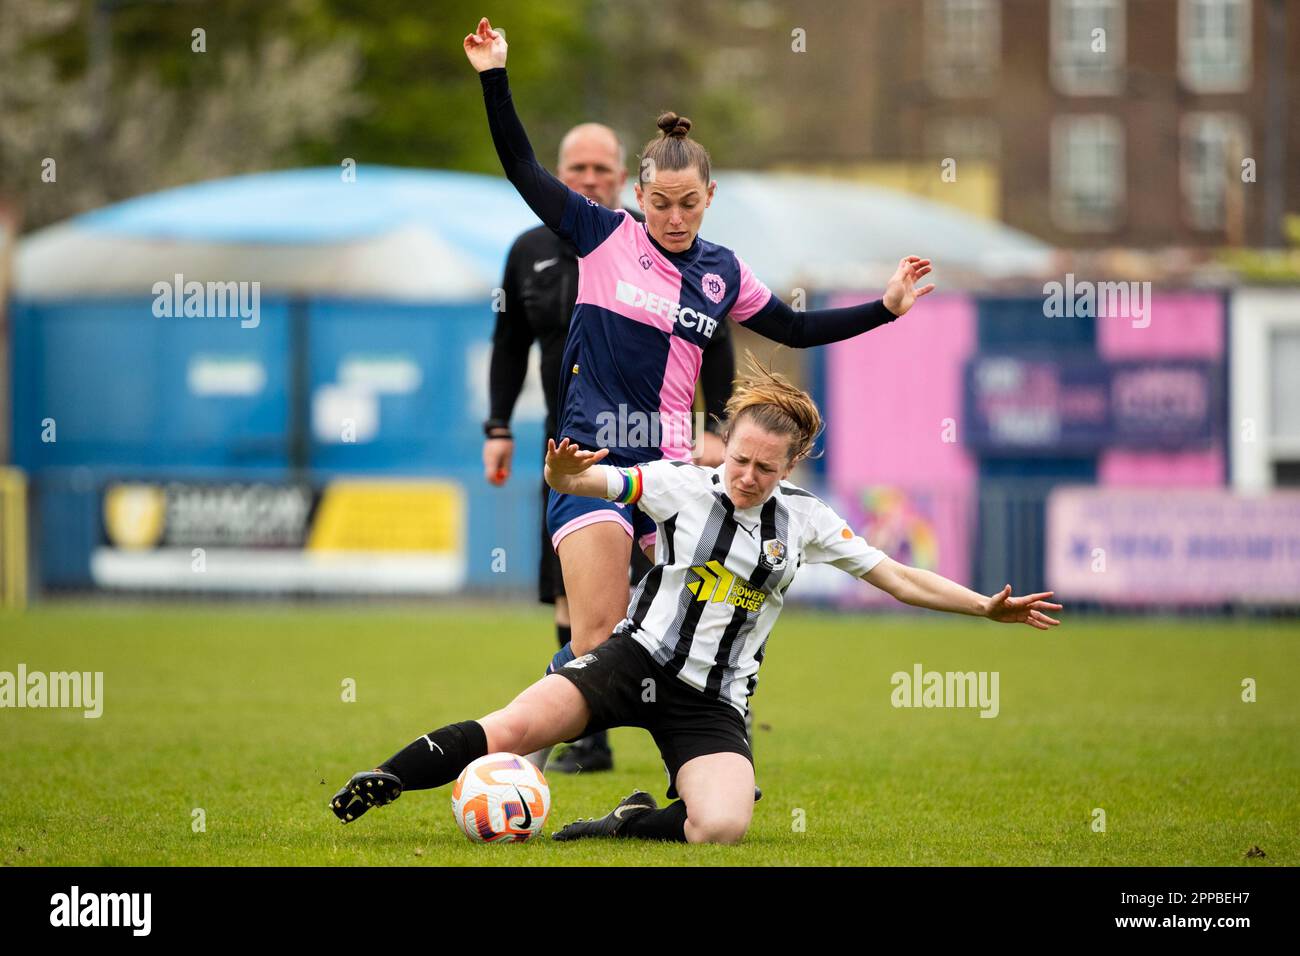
{"points": [[895, 459], [1143, 546]]}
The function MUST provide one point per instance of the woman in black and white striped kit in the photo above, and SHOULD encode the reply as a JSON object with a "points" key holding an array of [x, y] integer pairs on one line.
{"points": [[685, 660]]}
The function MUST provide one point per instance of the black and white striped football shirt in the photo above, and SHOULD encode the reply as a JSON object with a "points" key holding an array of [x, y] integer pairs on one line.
{"points": [[707, 607]]}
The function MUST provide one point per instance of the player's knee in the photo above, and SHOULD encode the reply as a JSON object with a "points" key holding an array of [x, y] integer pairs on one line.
{"points": [[505, 730], [716, 826]]}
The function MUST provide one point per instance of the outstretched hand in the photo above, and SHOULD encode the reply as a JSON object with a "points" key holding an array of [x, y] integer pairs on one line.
{"points": [[568, 459], [1022, 610], [485, 47], [901, 291]]}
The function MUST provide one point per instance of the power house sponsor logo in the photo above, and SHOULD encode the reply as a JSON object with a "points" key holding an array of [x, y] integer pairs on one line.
{"points": [[684, 316], [717, 585]]}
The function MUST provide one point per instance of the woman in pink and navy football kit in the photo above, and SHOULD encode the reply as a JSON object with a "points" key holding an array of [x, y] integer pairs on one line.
{"points": [[650, 296]]}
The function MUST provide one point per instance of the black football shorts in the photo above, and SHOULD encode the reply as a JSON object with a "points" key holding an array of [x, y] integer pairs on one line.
{"points": [[625, 687]]}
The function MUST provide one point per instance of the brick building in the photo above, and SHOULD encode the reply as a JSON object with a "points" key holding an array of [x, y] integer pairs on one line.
{"points": [[1111, 122]]}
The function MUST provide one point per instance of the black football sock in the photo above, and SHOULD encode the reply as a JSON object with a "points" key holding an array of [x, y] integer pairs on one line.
{"points": [[564, 633], [666, 824], [438, 757]]}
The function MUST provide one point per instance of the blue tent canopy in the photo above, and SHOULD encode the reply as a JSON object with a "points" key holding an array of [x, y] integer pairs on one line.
{"points": [[482, 214], [434, 235]]}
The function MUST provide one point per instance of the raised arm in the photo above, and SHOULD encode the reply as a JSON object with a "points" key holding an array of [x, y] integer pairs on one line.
{"points": [[801, 330], [545, 195], [921, 588]]}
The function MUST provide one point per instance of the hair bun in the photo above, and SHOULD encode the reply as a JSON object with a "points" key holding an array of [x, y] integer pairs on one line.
{"points": [[673, 125]]}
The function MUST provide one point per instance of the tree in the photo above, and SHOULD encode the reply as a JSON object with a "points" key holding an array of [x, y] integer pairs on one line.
{"points": [[87, 123]]}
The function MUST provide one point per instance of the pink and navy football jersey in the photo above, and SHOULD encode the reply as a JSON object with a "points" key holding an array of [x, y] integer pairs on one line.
{"points": [[641, 322], [643, 314]]}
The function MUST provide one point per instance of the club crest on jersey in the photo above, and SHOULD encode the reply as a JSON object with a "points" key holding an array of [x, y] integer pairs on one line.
{"points": [[773, 554], [645, 261], [714, 288]]}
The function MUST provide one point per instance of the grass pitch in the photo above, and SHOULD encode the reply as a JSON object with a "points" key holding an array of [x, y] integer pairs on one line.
{"points": [[237, 711]]}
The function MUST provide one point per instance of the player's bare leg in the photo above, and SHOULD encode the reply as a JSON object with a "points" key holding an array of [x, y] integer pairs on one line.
{"points": [[598, 597], [549, 711], [539, 757], [717, 805], [595, 560], [718, 790]]}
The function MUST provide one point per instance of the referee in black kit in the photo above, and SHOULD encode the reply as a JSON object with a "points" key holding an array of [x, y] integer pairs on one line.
{"points": [[541, 288]]}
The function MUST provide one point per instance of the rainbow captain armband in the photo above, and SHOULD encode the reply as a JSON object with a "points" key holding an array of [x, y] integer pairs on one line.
{"points": [[624, 485]]}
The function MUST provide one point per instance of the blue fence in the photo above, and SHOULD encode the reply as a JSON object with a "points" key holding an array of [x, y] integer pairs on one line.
{"points": [[106, 391], [324, 389]]}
